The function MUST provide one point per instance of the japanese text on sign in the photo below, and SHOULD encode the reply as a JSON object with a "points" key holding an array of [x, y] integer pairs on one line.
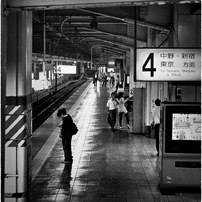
{"points": [[168, 64]]}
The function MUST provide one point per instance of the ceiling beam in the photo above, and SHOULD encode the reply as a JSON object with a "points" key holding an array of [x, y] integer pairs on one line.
{"points": [[62, 4], [81, 20], [111, 51], [121, 50], [108, 48], [49, 27], [112, 34], [39, 57], [100, 23], [58, 33], [110, 42], [128, 20]]}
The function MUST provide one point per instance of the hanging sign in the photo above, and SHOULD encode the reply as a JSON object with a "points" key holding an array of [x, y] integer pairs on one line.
{"points": [[168, 65], [65, 69]]}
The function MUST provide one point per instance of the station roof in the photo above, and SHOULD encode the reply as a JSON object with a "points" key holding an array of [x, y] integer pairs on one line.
{"points": [[74, 28]]}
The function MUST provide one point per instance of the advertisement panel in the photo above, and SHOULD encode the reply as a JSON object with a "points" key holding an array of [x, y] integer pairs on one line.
{"points": [[168, 65]]}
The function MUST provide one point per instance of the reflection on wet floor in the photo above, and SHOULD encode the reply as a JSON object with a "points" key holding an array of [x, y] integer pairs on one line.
{"points": [[108, 166]]}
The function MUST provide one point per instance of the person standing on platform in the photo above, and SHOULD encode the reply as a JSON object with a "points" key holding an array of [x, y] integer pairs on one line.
{"points": [[104, 80], [117, 83], [112, 107], [112, 79], [122, 110], [95, 78], [66, 135], [156, 122]]}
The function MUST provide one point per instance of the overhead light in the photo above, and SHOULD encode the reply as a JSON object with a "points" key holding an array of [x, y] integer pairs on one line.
{"points": [[94, 23]]}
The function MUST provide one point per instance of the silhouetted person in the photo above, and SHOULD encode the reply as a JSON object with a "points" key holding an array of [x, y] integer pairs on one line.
{"points": [[66, 134], [117, 83], [112, 79], [104, 80], [95, 78]]}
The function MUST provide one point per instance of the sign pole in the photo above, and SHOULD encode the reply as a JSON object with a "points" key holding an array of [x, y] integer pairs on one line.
{"points": [[91, 64], [56, 76], [135, 42]]}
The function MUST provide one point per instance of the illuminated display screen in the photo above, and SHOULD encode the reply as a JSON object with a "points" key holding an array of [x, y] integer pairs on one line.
{"points": [[186, 126], [66, 69]]}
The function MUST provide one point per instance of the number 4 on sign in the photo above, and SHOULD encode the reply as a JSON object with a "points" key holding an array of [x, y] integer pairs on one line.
{"points": [[150, 59], [59, 69]]}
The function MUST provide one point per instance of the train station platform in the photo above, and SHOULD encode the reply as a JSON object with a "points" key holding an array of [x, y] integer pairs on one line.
{"points": [[108, 166]]}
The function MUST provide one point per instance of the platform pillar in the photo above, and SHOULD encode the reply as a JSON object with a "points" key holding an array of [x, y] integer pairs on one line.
{"points": [[2, 94], [138, 104], [18, 121]]}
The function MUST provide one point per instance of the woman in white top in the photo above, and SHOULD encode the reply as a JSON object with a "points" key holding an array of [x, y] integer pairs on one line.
{"points": [[112, 107], [122, 110]]}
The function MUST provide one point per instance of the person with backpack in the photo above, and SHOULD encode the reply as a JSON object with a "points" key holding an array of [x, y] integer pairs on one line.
{"points": [[67, 129]]}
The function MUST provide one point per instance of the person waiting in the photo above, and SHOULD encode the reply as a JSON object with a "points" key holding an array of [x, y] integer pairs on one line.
{"points": [[122, 109], [112, 108]]}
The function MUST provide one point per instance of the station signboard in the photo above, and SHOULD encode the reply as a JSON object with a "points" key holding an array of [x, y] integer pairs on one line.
{"points": [[168, 64], [65, 69]]}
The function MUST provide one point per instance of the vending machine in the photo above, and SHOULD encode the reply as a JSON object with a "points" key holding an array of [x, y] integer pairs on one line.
{"points": [[180, 146]]}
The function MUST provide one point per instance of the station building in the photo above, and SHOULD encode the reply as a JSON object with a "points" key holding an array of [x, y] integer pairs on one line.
{"points": [[154, 47]]}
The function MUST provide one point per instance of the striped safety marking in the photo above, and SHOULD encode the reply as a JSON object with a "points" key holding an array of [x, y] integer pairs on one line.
{"points": [[15, 126]]}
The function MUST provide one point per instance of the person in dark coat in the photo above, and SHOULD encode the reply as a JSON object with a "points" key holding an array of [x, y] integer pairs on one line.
{"points": [[66, 134], [95, 78]]}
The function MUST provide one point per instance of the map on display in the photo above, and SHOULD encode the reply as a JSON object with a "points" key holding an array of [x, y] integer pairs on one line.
{"points": [[186, 127]]}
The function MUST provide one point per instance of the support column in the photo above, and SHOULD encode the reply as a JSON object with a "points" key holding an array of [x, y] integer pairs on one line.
{"points": [[131, 82], [138, 105], [18, 106], [148, 90], [81, 68], [2, 95], [91, 60], [78, 66]]}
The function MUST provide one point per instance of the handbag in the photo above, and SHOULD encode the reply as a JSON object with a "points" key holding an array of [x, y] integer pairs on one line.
{"points": [[74, 129]]}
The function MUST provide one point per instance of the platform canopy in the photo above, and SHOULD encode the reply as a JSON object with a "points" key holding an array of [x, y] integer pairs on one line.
{"points": [[77, 29], [50, 4]]}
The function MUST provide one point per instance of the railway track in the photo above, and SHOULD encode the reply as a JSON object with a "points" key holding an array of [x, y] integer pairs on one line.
{"points": [[43, 108]]}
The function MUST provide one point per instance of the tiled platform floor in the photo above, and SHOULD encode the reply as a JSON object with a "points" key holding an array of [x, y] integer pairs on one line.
{"points": [[108, 166]]}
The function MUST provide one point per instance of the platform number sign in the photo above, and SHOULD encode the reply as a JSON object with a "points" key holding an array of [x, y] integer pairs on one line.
{"points": [[59, 69], [148, 66], [65, 69], [168, 64]]}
